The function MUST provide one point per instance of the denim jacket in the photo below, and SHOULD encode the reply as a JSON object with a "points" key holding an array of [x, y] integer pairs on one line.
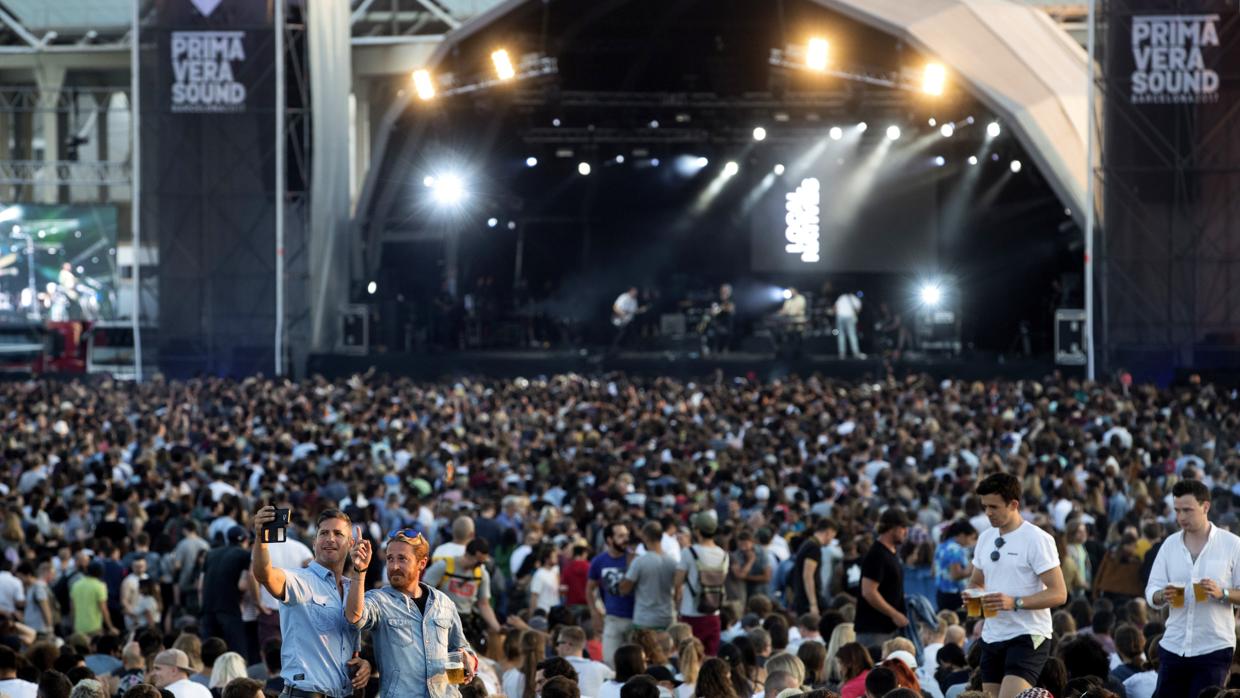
{"points": [[412, 648]]}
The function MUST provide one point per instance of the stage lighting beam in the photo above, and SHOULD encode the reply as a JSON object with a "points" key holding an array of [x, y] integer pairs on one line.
{"points": [[503, 65], [836, 133], [893, 132], [531, 161], [423, 85], [817, 54], [947, 130], [449, 190], [1016, 166], [731, 168], [934, 79], [931, 295], [583, 169], [759, 134], [993, 129]]}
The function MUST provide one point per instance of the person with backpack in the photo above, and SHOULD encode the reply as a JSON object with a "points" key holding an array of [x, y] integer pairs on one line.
{"points": [[467, 582], [701, 572]]}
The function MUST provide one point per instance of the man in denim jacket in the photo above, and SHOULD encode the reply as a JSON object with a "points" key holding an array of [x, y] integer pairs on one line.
{"points": [[414, 626]]}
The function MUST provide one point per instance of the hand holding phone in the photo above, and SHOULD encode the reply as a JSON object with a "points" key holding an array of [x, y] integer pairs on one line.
{"points": [[277, 530]]}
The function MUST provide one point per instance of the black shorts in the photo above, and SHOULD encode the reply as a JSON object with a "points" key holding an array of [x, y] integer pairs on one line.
{"points": [[1015, 657]]}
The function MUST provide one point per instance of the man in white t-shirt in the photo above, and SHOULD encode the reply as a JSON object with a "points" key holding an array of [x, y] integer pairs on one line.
{"points": [[1017, 566], [847, 308], [571, 645], [171, 671], [10, 685], [687, 585], [462, 533], [12, 592]]}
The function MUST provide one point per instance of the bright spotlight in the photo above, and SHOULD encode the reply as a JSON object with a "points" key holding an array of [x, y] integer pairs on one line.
{"points": [[619, 159], [947, 130], [11, 213], [893, 133], [786, 293], [492, 222], [701, 162], [993, 130], [940, 161], [933, 79], [836, 133], [972, 159], [931, 295], [423, 85], [512, 225], [583, 169], [428, 181], [531, 161], [779, 170], [654, 123], [556, 122], [730, 169], [372, 287], [933, 122], [449, 190], [503, 65], [862, 126], [654, 162], [759, 134], [817, 53], [1016, 166]]}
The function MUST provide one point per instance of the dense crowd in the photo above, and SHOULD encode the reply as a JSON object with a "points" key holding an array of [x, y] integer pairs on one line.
{"points": [[608, 537]]}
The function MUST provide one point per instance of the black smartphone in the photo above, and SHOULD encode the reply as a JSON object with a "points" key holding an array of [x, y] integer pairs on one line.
{"points": [[276, 531]]}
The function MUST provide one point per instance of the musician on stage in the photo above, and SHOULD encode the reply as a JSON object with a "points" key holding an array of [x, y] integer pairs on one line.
{"points": [[718, 324], [623, 310], [794, 317]]}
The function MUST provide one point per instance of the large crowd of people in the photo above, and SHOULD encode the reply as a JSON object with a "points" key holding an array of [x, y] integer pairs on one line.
{"points": [[618, 537]]}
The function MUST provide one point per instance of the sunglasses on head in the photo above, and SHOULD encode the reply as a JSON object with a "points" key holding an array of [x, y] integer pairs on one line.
{"points": [[994, 554], [412, 534]]}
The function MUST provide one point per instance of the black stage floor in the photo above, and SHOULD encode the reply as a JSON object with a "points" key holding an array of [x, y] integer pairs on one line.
{"points": [[513, 363]]}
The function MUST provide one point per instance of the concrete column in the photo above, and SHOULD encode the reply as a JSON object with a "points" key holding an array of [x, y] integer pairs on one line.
{"points": [[6, 151], [23, 148], [50, 80], [359, 128]]}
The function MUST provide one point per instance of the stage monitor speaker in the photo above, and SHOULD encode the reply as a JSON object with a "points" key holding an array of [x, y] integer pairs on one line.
{"points": [[354, 330]]}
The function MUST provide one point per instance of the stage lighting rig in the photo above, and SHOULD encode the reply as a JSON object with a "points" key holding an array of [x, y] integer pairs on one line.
{"points": [[428, 86], [933, 80], [817, 54], [504, 69], [815, 57], [423, 85]]}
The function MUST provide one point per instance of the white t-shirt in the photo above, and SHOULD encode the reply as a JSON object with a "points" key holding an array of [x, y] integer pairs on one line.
{"points": [[847, 306], [16, 688], [448, 550], [546, 586], [1141, 685], [514, 683], [1027, 552], [712, 557], [625, 304], [591, 675], [12, 592]]}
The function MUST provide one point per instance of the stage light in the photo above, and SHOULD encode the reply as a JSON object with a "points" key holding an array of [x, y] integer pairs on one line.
{"points": [[428, 181], [730, 169], [492, 222], [583, 169], [940, 161], [972, 159], [786, 293], [503, 65], [449, 190], [779, 170], [654, 123], [372, 287], [893, 133], [556, 122], [11, 213], [969, 120], [931, 295], [512, 225], [423, 85], [816, 54], [836, 133], [654, 162], [701, 162], [759, 134], [619, 159], [995, 157], [993, 130], [933, 79], [531, 161], [947, 130], [862, 126], [933, 122], [1016, 166]]}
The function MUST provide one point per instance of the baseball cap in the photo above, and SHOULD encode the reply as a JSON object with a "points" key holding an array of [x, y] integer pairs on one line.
{"points": [[175, 659], [704, 522], [894, 517], [907, 657], [237, 534]]}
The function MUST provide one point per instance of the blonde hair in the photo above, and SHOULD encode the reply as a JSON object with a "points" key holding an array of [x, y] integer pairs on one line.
{"points": [[842, 635], [692, 654], [900, 643], [786, 662], [191, 645], [227, 667], [679, 632]]}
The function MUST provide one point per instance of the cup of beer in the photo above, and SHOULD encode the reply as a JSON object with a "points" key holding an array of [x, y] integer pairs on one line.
{"points": [[1199, 591], [973, 602], [1177, 595], [988, 612], [455, 666]]}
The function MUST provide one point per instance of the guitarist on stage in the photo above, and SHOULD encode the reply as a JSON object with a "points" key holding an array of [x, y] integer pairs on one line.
{"points": [[719, 322], [622, 313]]}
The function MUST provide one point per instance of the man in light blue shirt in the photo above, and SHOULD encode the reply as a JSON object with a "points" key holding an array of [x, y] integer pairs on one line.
{"points": [[415, 626], [318, 653]]}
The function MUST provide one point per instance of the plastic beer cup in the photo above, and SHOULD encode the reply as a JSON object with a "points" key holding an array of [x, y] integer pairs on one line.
{"points": [[973, 602], [455, 666], [1177, 595], [1199, 591], [988, 612]]}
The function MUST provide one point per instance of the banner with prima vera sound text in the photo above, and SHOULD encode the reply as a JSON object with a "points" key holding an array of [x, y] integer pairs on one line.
{"points": [[1175, 58]]}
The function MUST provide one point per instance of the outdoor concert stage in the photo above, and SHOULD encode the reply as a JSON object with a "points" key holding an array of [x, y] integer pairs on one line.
{"points": [[428, 366]]}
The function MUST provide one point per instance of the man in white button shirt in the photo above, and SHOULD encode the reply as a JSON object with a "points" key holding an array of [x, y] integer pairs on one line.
{"points": [[1016, 565], [1201, 561]]}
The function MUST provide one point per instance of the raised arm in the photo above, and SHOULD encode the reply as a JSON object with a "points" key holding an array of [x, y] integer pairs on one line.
{"points": [[355, 602]]}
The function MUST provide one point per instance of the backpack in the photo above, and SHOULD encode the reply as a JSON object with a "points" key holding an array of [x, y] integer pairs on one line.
{"points": [[709, 594], [449, 573]]}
